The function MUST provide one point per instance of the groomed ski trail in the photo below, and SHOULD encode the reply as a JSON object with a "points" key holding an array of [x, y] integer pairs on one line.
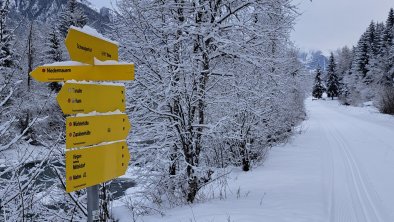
{"points": [[340, 168]]}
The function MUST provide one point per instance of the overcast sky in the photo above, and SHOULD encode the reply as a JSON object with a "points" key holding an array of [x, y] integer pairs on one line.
{"points": [[327, 24], [330, 24]]}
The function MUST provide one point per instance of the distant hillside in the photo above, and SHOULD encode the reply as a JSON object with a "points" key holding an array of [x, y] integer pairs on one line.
{"points": [[313, 59], [47, 10]]}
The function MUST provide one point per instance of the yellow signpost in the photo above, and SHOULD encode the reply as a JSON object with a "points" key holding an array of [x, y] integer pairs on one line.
{"points": [[87, 165], [89, 130], [76, 98], [84, 48], [90, 166], [118, 72]]}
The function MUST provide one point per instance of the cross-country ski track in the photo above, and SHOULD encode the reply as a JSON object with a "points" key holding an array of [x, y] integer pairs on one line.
{"points": [[339, 168]]}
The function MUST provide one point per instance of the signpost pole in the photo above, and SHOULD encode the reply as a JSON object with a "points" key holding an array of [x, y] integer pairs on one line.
{"points": [[93, 203]]}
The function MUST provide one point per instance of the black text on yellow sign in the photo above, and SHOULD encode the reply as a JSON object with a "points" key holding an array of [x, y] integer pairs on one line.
{"points": [[91, 130], [76, 98], [90, 166], [118, 72], [84, 48]]}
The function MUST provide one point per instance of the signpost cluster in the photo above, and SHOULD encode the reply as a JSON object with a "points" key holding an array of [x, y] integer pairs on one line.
{"points": [[96, 130]]}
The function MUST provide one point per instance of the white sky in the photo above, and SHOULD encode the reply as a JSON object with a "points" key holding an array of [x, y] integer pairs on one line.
{"points": [[327, 25]]}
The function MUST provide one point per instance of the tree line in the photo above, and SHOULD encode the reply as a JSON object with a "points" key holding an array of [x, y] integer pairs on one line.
{"points": [[364, 72]]}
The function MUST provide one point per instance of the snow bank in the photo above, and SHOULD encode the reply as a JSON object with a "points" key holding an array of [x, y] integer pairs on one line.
{"points": [[94, 113], [96, 145], [66, 63], [95, 83], [98, 62], [93, 32]]}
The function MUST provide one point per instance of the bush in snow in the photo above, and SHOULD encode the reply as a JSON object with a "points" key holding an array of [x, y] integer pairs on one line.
{"points": [[386, 101]]}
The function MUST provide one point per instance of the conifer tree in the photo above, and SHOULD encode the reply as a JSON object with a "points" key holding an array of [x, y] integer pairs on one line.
{"points": [[372, 38], [6, 37], [362, 56], [72, 15], [53, 54], [332, 82], [385, 63], [318, 88], [379, 43], [389, 33]]}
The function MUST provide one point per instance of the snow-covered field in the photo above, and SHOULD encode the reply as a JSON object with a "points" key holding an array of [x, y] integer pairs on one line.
{"points": [[340, 168]]}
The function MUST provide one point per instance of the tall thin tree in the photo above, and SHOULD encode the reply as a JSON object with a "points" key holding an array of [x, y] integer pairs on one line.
{"points": [[332, 81]]}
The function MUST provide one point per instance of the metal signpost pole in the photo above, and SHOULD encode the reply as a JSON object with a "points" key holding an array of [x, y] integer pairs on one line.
{"points": [[93, 203]]}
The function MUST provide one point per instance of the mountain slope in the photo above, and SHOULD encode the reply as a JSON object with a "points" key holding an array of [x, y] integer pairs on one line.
{"points": [[50, 10]]}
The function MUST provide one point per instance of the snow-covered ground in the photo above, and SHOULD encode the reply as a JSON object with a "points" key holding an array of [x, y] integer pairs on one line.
{"points": [[340, 168]]}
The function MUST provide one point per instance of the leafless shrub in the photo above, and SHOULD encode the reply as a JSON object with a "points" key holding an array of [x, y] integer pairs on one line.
{"points": [[386, 101]]}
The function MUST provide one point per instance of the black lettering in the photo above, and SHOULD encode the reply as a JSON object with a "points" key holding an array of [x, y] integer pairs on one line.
{"points": [[53, 70], [81, 123], [83, 133], [76, 100], [78, 166], [77, 156], [84, 48]]}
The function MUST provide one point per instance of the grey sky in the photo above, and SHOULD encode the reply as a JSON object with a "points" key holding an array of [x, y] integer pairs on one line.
{"points": [[330, 24]]}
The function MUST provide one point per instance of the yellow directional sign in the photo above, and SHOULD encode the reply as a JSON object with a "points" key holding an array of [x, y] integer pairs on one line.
{"points": [[118, 72], [83, 47], [76, 98], [90, 130], [90, 166]]}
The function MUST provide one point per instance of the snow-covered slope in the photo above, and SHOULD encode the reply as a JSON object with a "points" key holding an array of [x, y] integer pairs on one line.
{"points": [[49, 10], [339, 169]]}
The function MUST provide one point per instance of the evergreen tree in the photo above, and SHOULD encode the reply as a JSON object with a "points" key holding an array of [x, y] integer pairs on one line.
{"points": [[372, 66], [53, 54], [388, 33], [72, 15], [362, 55], [387, 52], [332, 82], [6, 37], [373, 40], [379, 36], [318, 88]]}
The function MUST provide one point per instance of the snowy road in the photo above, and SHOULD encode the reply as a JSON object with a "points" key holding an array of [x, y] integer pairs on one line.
{"points": [[339, 169]]}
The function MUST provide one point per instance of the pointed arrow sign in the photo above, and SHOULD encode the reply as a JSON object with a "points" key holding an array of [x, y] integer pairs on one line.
{"points": [[84, 47], [118, 72], [89, 130], [97, 164], [76, 98]]}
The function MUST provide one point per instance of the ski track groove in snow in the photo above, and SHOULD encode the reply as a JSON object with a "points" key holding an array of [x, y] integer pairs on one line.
{"points": [[362, 207]]}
